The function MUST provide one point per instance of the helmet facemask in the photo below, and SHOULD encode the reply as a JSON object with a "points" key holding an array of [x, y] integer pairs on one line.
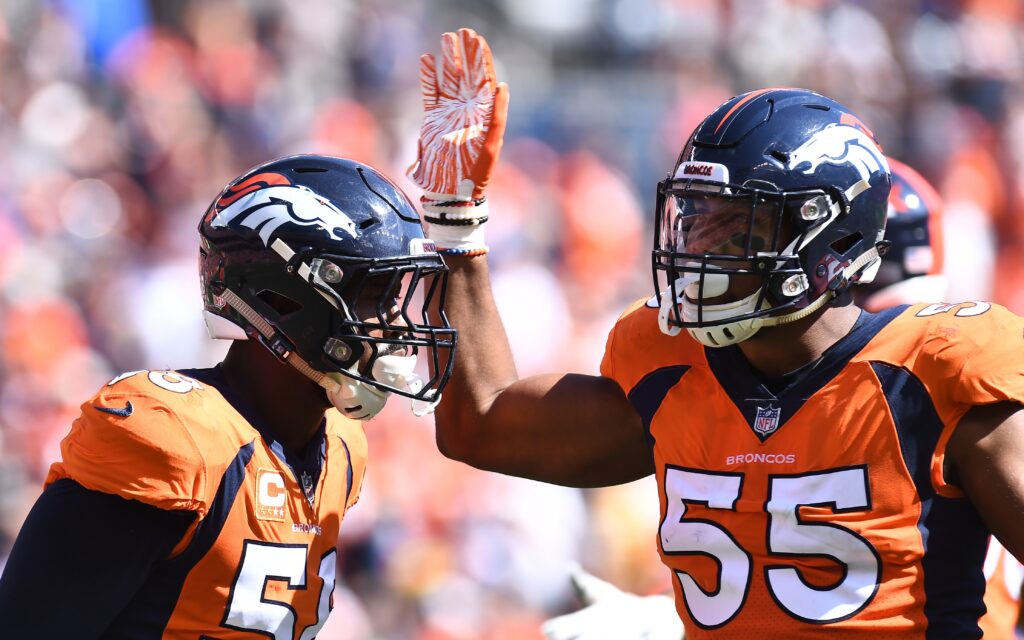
{"points": [[786, 190], [730, 256], [385, 325]]}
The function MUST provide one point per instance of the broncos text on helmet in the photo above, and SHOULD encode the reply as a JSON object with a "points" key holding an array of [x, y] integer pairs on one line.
{"points": [[775, 207], [324, 262]]}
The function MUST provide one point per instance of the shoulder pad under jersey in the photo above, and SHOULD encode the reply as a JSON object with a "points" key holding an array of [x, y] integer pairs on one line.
{"points": [[151, 436]]}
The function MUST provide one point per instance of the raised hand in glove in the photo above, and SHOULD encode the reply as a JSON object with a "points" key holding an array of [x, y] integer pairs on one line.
{"points": [[613, 614], [465, 109]]}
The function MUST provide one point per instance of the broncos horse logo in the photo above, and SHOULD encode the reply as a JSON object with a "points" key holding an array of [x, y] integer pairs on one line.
{"points": [[840, 144], [267, 201]]}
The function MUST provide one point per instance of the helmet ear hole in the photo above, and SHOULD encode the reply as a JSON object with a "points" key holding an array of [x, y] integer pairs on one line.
{"points": [[282, 304], [844, 244]]}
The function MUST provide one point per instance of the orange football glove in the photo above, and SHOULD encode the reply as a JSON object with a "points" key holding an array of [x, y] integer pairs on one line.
{"points": [[465, 109]]}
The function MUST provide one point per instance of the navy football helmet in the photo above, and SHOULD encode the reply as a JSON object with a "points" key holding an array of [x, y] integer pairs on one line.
{"points": [[912, 267], [776, 206], [323, 261]]}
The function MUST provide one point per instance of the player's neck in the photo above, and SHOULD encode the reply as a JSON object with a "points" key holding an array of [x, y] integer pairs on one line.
{"points": [[775, 351], [290, 404]]}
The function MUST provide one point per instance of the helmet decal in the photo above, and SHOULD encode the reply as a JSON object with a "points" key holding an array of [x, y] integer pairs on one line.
{"points": [[258, 181], [267, 201], [711, 171], [839, 144], [421, 246]]}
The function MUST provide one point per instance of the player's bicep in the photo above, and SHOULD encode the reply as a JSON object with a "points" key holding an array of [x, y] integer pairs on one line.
{"points": [[569, 429], [987, 451], [79, 559]]}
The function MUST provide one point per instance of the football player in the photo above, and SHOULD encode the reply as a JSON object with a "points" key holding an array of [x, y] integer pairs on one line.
{"points": [[820, 468], [206, 503], [911, 270]]}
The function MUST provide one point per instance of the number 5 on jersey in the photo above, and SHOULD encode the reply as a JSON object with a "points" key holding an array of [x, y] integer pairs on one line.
{"points": [[250, 610]]}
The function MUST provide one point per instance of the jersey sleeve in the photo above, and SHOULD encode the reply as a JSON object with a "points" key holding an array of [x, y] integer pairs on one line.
{"points": [[608, 360], [130, 442], [973, 356], [354, 440], [609, 368], [977, 359]]}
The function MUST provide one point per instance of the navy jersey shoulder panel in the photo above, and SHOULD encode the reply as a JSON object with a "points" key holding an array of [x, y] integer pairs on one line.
{"points": [[952, 533], [147, 616], [648, 394], [753, 395], [918, 425]]}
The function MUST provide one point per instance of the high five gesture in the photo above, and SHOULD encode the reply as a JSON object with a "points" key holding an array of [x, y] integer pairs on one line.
{"points": [[464, 117], [465, 109]]}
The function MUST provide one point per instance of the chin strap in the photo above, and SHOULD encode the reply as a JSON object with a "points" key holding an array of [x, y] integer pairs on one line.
{"points": [[824, 299], [861, 262], [362, 401], [353, 398], [267, 331]]}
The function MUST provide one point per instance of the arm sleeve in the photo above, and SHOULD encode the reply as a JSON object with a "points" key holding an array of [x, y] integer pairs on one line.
{"points": [[78, 560]]}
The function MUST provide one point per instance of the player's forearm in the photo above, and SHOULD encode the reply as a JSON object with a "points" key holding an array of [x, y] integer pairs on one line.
{"points": [[484, 366]]}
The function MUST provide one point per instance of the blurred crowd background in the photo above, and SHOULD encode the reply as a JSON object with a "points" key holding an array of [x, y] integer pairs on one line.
{"points": [[121, 120]]}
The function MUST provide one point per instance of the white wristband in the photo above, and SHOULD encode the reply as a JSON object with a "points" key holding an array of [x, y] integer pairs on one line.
{"points": [[457, 237], [454, 209]]}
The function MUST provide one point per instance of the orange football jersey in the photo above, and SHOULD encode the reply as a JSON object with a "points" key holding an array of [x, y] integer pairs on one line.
{"points": [[818, 502], [260, 559]]}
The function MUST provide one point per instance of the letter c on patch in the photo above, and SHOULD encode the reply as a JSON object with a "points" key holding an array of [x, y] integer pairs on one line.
{"points": [[272, 490]]}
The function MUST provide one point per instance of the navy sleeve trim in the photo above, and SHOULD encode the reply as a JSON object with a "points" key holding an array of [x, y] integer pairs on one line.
{"points": [[648, 394]]}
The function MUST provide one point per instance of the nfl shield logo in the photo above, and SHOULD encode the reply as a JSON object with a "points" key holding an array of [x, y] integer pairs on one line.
{"points": [[767, 420]]}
